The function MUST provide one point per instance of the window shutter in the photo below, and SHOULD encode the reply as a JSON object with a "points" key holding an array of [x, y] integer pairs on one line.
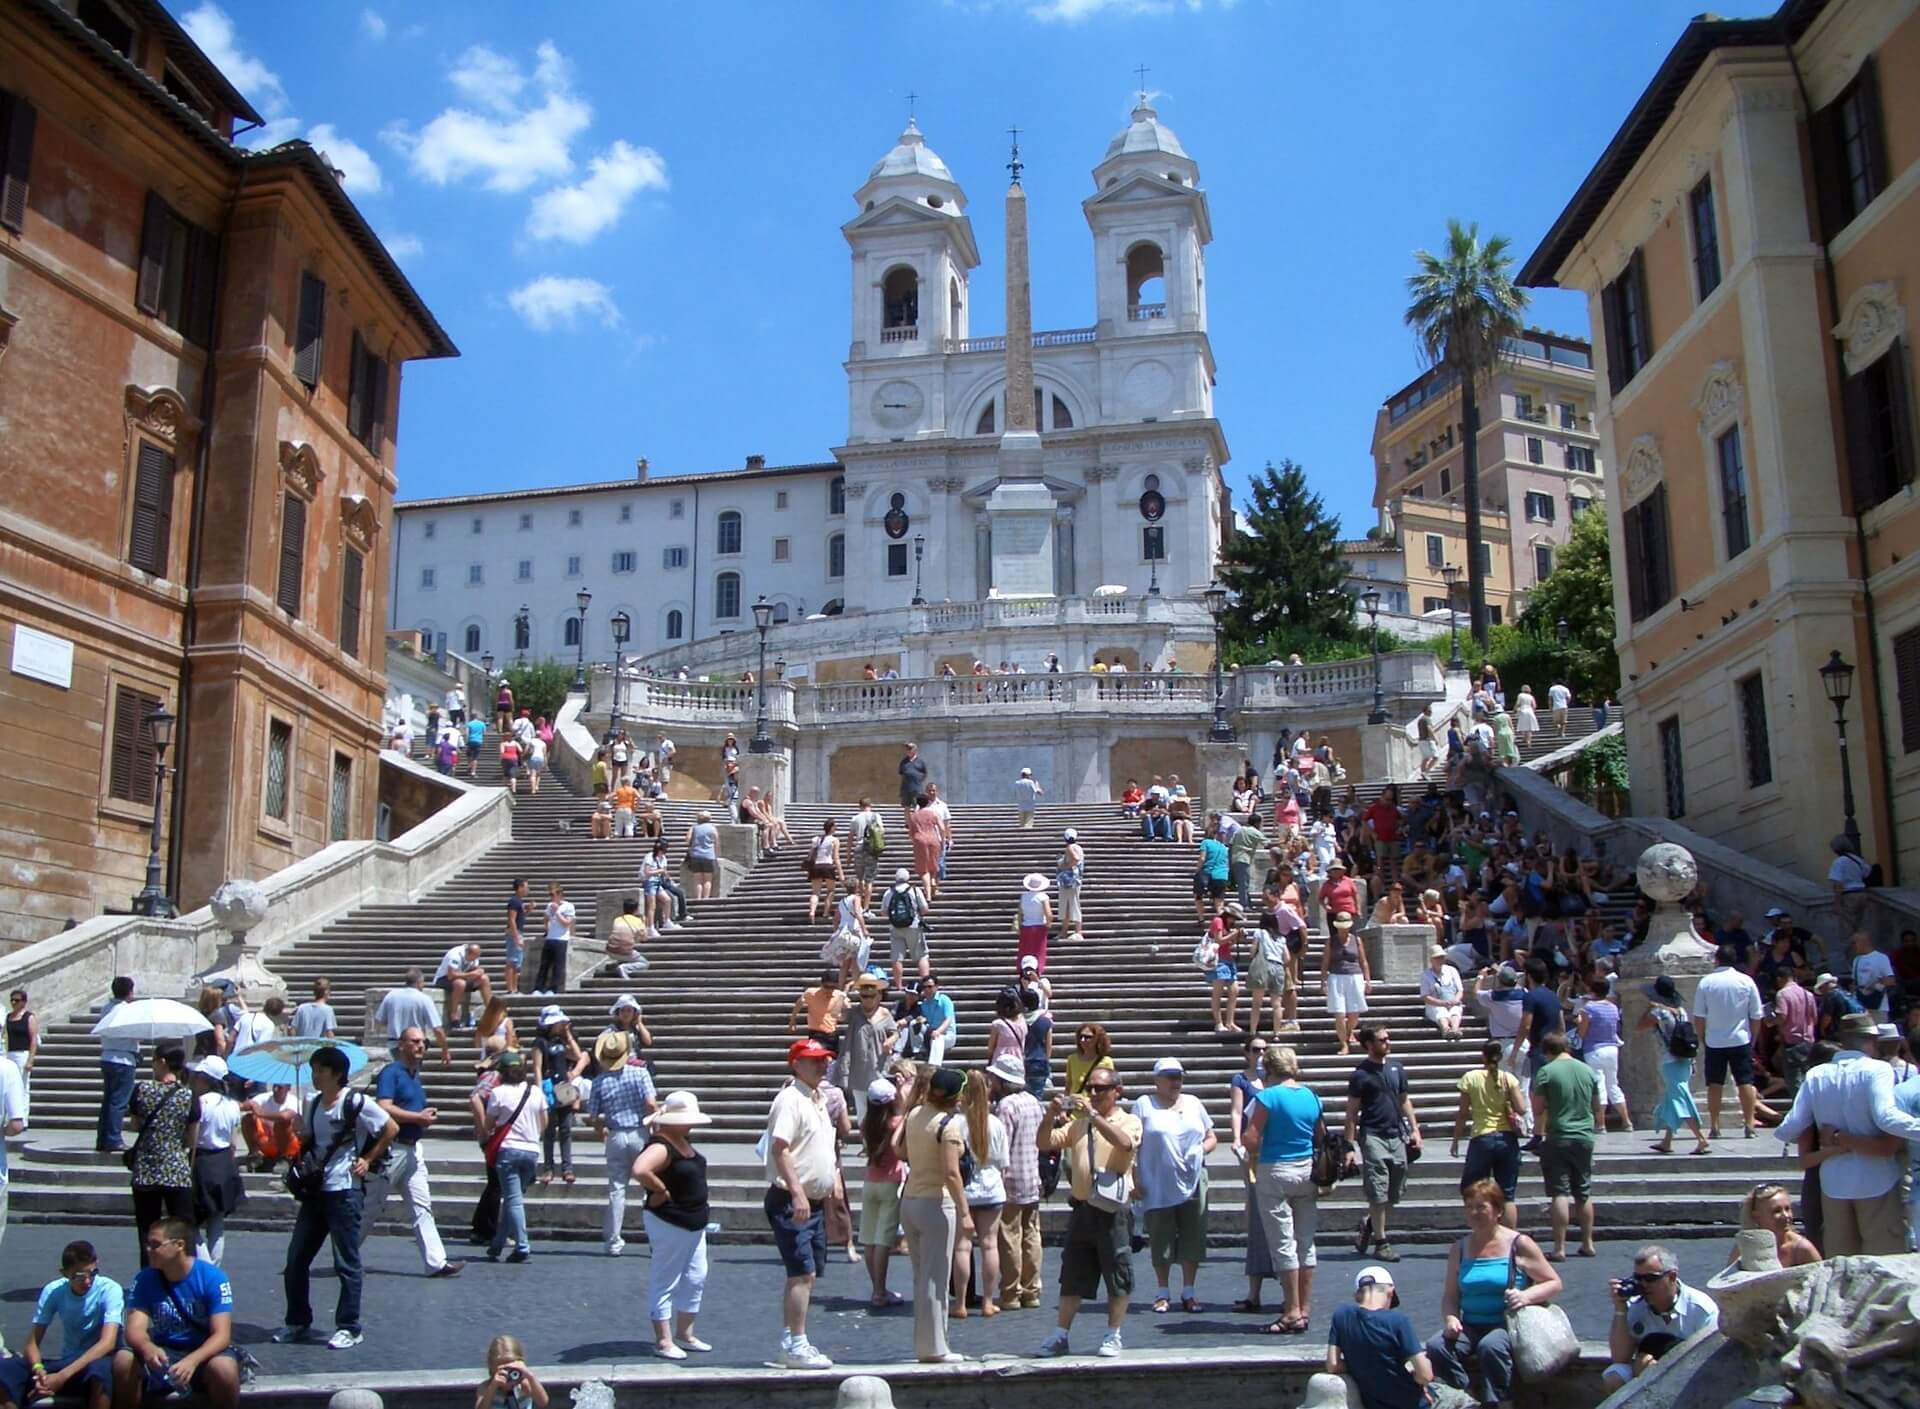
{"points": [[293, 552], [153, 253], [356, 388], [1616, 347], [1873, 132], [1659, 551], [309, 330], [150, 539], [1900, 411], [202, 279], [16, 158], [1643, 325], [1906, 673], [1634, 556], [1863, 477], [376, 402], [130, 761], [352, 569]]}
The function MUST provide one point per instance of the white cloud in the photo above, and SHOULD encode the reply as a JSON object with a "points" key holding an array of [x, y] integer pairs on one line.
{"points": [[213, 31], [578, 213], [405, 248], [359, 173], [1072, 11], [551, 302], [270, 134], [373, 25], [512, 145]]}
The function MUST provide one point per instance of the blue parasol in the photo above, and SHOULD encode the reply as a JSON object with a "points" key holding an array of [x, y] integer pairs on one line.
{"points": [[285, 1061]]}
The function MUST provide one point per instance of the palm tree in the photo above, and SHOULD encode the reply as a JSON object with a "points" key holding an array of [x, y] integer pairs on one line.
{"points": [[1463, 308]]}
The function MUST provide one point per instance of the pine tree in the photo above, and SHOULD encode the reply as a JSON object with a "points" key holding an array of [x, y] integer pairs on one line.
{"points": [[1284, 567]]}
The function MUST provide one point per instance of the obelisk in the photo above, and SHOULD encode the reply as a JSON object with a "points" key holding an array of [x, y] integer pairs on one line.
{"points": [[1020, 511]]}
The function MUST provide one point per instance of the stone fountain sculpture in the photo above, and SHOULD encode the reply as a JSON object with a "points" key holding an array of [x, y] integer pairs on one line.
{"points": [[240, 906], [1667, 874]]}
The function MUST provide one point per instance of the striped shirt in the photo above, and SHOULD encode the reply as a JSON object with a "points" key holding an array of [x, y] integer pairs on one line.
{"points": [[1021, 1114]]}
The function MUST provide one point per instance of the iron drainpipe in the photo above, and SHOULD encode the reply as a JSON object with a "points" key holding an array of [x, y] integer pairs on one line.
{"points": [[196, 531], [1891, 859]]}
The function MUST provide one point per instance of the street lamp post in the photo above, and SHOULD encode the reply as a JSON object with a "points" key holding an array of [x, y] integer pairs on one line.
{"points": [[152, 900], [919, 552], [1836, 676], [622, 626], [1370, 603], [762, 741], [582, 597], [1561, 631], [1451, 572], [486, 664], [1221, 730]]}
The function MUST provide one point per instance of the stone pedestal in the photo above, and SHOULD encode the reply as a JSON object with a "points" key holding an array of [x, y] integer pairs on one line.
{"points": [[1219, 764], [1397, 953], [239, 906], [1021, 515], [772, 773], [1386, 754], [1666, 873]]}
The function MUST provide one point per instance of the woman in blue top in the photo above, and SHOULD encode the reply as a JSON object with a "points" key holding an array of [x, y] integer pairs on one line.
{"points": [[1491, 1271], [1285, 1116], [1209, 878]]}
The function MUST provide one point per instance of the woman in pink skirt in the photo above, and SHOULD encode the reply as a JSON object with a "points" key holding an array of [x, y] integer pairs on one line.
{"points": [[1036, 918]]}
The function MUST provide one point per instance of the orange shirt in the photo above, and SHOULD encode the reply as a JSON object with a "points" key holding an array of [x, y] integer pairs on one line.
{"points": [[627, 796]]}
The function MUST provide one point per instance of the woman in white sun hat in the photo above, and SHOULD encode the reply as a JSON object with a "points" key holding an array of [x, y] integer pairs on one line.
{"points": [[674, 1175], [1036, 918], [1068, 873]]}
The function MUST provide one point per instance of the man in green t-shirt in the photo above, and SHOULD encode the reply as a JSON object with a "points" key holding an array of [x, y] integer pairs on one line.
{"points": [[1247, 843], [1563, 1097]]}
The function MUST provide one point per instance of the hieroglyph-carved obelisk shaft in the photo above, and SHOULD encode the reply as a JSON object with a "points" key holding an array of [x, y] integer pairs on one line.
{"points": [[1019, 315]]}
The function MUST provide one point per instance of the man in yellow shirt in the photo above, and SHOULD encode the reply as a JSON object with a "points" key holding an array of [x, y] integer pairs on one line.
{"points": [[1094, 1133]]}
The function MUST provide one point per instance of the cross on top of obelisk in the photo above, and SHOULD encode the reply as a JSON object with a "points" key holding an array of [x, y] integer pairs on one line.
{"points": [[1015, 165], [1141, 73]]}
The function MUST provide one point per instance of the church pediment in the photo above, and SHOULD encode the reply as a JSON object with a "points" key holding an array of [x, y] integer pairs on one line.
{"points": [[899, 213], [1063, 490], [1144, 189]]}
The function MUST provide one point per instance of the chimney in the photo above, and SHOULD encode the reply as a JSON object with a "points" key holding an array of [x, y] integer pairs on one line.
{"points": [[640, 467], [756, 462]]}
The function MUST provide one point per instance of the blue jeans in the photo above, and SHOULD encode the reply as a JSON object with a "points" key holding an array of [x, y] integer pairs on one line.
{"points": [[1483, 1348], [332, 1216], [672, 888], [116, 1080], [515, 1169], [1156, 827]]}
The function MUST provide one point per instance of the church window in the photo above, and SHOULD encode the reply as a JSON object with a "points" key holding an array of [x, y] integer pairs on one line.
{"points": [[782, 613], [985, 425], [1153, 543], [1146, 283], [676, 625], [1062, 417], [570, 632], [953, 308], [782, 550], [896, 560], [726, 596], [900, 305], [837, 495], [472, 642], [837, 555], [730, 532]]}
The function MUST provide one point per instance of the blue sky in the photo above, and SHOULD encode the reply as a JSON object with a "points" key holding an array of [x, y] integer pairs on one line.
{"points": [[627, 215]]}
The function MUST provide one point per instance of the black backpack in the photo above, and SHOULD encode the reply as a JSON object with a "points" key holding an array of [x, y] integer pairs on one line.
{"points": [[1682, 1039], [902, 910]]}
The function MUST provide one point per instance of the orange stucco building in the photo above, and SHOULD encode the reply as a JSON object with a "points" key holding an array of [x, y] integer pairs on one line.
{"points": [[199, 386], [1750, 247]]}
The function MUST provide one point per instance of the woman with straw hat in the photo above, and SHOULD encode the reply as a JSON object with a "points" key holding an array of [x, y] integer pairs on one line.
{"points": [[1036, 918], [674, 1174]]}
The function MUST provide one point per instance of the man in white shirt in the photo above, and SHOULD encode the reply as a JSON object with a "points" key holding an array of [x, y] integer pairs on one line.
{"points": [[251, 1029], [1725, 1007], [456, 706], [552, 975], [1849, 1102], [1441, 994], [663, 751], [1559, 697], [801, 1164], [316, 1018], [1652, 1313], [459, 971], [13, 1121], [1873, 978]]}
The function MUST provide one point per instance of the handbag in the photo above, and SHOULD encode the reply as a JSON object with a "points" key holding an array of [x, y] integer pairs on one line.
{"points": [[1108, 1190], [490, 1147], [1330, 1150], [132, 1155], [566, 1094], [306, 1176], [1543, 1340]]}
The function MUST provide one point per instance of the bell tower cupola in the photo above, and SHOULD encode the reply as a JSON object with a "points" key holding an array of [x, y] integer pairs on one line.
{"points": [[913, 250], [1150, 231]]}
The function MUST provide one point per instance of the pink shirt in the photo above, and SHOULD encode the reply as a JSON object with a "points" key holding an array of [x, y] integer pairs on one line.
{"points": [[1798, 1013]]}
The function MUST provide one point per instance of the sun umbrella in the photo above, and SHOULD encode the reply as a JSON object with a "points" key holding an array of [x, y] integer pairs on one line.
{"points": [[151, 1020], [284, 1061]]}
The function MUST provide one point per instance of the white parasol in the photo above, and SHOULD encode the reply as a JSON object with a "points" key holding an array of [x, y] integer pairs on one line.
{"points": [[151, 1020]]}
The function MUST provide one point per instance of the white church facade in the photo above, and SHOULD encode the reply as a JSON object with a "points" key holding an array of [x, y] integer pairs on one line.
{"points": [[1068, 480]]}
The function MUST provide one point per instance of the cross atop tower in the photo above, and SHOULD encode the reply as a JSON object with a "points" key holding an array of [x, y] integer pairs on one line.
{"points": [[912, 98], [1141, 73], [1015, 165]]}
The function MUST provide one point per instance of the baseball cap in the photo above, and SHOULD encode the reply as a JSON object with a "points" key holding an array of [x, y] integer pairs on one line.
{"points": [[882, 1091], [212, 1068], [1169, 1066], [806, 1047], [1776, 913], [1029, 961], [1376, 1277]]}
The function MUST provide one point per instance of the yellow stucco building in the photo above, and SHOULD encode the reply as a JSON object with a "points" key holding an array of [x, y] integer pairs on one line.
{"points": [[1749, 244]]}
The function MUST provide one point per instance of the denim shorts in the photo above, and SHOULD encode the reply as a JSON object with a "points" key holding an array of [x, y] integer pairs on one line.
{"points": [[803, 1246], [516, 953], [1224, 972]]}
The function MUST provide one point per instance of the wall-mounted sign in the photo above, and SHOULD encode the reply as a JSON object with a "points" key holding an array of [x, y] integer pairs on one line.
{"points": [[39, 656]]}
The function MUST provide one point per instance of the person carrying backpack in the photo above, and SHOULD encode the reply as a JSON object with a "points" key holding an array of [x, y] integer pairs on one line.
{"points": [[906, 911], [867, 837], [1679, 1041], [1850, 875]]}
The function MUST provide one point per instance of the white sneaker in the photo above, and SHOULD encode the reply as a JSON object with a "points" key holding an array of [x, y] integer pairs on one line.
{"points": [[670, 925], [1055, 1344], [1109, 1345], [800, 1355], [615, 1249], [343, 1339]]}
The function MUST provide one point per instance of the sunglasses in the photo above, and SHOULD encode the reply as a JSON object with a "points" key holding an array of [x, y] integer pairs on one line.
{"points": [[1647, 1279], [1103, 1087]]}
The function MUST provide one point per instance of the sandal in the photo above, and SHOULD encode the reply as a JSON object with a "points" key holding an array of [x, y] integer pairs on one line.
{"points": [[567, 1178], [1247, 1304], [1189, 1305], [1281, 1325], [1160, 1306]]}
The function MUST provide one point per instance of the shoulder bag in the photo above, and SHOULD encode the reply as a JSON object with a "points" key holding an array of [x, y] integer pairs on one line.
{"points": [[490, 1147], [1107, 1190], [1330, 1150], [132, 1155], [1543, 1340], [306, 1176]]}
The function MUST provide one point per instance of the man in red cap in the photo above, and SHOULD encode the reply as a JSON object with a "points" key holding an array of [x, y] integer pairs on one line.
{"points": [[801, 1165]]}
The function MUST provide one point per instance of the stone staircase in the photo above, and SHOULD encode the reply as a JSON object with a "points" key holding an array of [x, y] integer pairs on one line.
{"points": [[718, 991]]}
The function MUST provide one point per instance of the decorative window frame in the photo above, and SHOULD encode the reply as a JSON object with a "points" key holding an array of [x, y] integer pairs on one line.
{"points": [[300, 471], [7, 322], [1873, 321], [155, 413], [279, 829], [1642, 471], [359, 521], [1721, 405], [121, 809]]}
